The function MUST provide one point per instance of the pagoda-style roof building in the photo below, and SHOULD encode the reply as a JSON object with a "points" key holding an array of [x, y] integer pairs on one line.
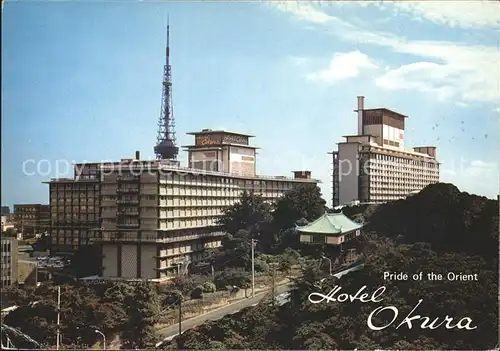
{"points": [[331, 228]]}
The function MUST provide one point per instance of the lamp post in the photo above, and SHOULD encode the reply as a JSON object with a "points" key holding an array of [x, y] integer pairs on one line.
{"points": [[180, 313], [58, 317], [103, 338], [253, 267], [330, 261]]}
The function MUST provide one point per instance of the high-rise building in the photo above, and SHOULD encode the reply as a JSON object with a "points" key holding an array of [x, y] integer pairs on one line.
{"points": [[374, 166], [31, 219], [150, 217], [9, 261]]}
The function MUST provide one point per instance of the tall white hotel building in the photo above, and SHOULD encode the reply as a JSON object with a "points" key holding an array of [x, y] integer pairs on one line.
{"points": [[374, 166]]}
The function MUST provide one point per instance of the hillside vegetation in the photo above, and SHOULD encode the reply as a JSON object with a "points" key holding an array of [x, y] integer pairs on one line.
{"points": [[439, 230]]}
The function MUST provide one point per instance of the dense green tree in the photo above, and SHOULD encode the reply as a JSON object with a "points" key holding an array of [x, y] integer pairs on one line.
{"points": [[389, 246], [209, 287], [303, 201], [250, 213], [230, 277]]}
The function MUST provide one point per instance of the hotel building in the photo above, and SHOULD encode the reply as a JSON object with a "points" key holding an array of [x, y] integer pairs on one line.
{"points": [[374, 166], [152, 218]]}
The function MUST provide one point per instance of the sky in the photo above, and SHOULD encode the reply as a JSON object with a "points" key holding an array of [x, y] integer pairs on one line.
{"points": [[81, 82]]}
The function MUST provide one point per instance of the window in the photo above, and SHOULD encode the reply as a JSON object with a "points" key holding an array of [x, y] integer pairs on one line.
{"points": [[317, 238]]}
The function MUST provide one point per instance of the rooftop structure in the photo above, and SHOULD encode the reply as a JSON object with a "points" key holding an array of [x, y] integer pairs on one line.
{"points": [[222, 151]]}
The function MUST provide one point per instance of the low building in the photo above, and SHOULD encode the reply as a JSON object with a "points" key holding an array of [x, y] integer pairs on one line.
{"points": [[9, 261], [330, 229], [27, 270], [31, 219], [5, 210]]}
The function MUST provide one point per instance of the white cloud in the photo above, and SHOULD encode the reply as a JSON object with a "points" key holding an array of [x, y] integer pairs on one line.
{"points": [[303, 10], [418, 76], [343, 66], [461, 72], [464, 14], [481, 169]]}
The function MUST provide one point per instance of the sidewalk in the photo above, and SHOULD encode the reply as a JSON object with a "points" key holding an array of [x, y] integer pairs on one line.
{"points": [[218, 312], [232, 301]]}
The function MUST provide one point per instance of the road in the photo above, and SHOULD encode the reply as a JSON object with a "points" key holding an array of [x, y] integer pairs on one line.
{"points": [[173, 330]]}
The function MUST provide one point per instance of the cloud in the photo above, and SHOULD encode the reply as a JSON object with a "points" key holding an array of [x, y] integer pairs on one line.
{"points": [[450, 70], [481, 169], [419, 76], [343, 66], [463, 14], [303, 11]]}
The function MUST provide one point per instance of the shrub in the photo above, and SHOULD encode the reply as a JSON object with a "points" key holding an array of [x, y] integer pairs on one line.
{"points": [[197, 293], [209, 287], [261, 266]]}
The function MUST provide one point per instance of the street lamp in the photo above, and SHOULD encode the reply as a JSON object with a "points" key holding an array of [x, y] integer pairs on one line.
{"points": [[253, 242], [103, 339], [330, 261]]}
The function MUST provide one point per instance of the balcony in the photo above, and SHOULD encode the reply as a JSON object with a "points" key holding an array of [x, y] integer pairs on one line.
{"points": [[128, 213], [127, 178], [119, 237], [127, 190], [128, 202], [128, 225]]}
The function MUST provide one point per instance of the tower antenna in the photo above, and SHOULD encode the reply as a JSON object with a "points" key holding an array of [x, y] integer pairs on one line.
{"points": [[166, 148]]}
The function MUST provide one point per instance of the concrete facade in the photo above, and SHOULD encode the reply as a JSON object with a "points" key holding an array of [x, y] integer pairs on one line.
{"points": [[31, 219], [9, 261], [156, 218]]}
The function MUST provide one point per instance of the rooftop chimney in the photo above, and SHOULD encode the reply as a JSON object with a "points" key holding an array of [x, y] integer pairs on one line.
{"points": [[361, 107], [137, 155]]}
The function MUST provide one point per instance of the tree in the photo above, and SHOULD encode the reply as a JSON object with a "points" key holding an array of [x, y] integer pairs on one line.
{"points": [[143, 305], [250, 213], [209, 287], [230, 277], [288, 238], [399, 239], [10, 232], [197, 292], [304, 201]]}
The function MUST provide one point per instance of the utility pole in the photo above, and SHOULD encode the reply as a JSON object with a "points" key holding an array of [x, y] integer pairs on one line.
{"points": [[180, 314], [58, 316], [273, 287], [253, 268]]}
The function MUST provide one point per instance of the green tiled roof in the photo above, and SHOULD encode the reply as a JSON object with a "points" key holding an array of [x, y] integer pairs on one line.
{"points": [[330, 224]]}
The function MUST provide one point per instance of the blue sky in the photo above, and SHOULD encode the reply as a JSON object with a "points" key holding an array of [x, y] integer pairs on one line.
{"points": [[81, 81]]}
